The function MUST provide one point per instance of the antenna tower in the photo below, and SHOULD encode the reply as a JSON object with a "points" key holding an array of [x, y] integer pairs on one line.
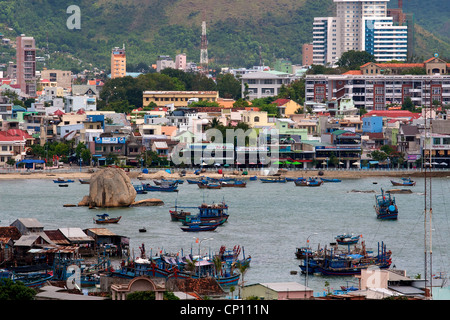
{"points": [[204, 47]]}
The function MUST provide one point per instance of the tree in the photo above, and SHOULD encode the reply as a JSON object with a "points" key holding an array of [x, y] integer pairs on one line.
{"points": [[10, 290], [228, 86], [352, 59], [408, 104]]}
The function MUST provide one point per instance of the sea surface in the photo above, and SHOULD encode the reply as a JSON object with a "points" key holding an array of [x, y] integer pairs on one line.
{"points": [[268, 220]]}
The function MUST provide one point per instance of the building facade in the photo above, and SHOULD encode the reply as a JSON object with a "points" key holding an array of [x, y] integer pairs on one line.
{"points": [[62, 78], [263, 84], [359, 25], [177, 98], [26, 65], [374, 92], [118, 63]]}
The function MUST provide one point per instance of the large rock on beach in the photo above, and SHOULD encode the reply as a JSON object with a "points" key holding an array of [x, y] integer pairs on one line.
{"points": [[110, 187]]}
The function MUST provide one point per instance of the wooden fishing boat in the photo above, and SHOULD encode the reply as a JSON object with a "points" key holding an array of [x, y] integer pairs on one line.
{"points": [[63, 185], [82, 181], [253, 178], [214, 186], [139, 189], [385, 206], [162, 188], [62, 180], [347, 239], [234, 184], [406, 182], [308, 183], [195, 220], [206, 212], [202, 185], [330, 180], [273, 180], [199, 228], [104, 219]]}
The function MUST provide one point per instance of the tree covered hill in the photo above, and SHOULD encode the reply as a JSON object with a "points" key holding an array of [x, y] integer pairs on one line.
{"points": [[238, 31]]}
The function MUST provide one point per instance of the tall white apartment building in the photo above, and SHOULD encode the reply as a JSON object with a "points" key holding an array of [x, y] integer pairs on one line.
{"points": [[359, 25]]}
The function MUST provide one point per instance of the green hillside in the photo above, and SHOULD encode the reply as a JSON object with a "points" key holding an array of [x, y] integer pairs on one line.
{"points": [[237, 30]]}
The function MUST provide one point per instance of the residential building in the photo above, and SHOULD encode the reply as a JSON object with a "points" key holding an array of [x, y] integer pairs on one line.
{"points": [[307, 54], [62, 78], [277, 291], [118, 62], [180, 61], [164, 62], [287, 107], [26, 65], [177, 98], [13, 145], [263, 84], [359, 25], [374, 92]]}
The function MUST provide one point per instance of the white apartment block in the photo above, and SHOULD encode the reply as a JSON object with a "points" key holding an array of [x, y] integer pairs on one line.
{"points": [[373, 92], [359, 24], [264, 84]]}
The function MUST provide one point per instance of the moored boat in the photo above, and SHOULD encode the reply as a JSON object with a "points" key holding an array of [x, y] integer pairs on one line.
{"points": [[199, 228], [139, 189], [330, 180], [385, 206], [62, 180], [83, 181], [162, 187], [273, 180], [104, 219], [405, 182], [311, 182], [233, 184], [347, 239]]}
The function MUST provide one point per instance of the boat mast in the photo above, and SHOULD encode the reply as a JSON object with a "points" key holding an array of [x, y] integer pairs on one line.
{"points": [[428, 251]]}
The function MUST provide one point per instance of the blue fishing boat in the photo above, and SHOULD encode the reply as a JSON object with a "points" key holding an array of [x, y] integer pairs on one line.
{"points": [[162, 187], [253, 178], [336, 262], [347, 239], [105, 219], [193, 181], [385, 206], [273, 180], [311, 182], [62, 180], [330, 180], [139, 189], [206, 212], [195, 220], [33, 276], [407, 182], [197, 227], [234, 184]]}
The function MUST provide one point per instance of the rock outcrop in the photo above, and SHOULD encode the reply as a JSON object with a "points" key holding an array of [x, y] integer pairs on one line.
{"points": [[110, 187], [148, 203]]}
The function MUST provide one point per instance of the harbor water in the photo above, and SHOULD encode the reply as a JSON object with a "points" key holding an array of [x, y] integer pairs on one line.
{"points": [[268, 220]]}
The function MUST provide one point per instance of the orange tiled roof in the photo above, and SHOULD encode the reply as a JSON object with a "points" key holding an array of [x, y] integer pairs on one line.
{"points": [[353, 72]]}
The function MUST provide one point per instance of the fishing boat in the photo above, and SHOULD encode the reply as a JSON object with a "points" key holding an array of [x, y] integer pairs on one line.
{"points": [[311, 182], [104, 219], [234, 184], [195, 220], [337, 262], [162, 188], [143, 229], [197, 227], [33, 276], [253, 178], [203, 185], [193, 181], [385, 206], [83, 181], [402, 191], [406, 182], [63, 185], [273, 180], [206, 212], [62, 180], [330, 180], [347, 239], [301, 252], [213, 186], [139, 189]]}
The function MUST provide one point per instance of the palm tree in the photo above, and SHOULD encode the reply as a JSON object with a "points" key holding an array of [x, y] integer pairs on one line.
{"points": [[242, 269]]}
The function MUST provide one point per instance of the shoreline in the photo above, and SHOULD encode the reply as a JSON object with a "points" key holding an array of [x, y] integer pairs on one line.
{"points": [[161, 174]]}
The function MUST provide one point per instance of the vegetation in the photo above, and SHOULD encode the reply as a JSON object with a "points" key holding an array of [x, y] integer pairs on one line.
{"points": [[150, 295], [10, 290], [237, 36]]}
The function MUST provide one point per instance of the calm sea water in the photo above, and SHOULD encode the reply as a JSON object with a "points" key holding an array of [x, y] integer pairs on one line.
{"points": [[268, 220]]}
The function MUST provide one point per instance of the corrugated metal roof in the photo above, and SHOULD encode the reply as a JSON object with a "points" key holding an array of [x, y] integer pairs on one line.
{"points": [[102, 231], [75, 234]]}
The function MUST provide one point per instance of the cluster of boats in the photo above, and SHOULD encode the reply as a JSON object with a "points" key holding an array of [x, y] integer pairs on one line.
{"points": [[208, 217], [341, 259], [224, 266], [300, 181]]}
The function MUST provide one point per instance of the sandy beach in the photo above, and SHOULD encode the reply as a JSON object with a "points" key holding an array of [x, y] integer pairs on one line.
{"points": [[339, 174]]}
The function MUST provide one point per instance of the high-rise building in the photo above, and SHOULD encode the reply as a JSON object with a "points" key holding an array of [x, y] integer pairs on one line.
{"points": [[307, 54], [118, 63], [359, 25], [26, 65]]}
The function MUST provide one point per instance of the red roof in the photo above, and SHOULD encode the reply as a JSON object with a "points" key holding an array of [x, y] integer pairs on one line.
{"points": [[392, 114], [354, 72], [14, 135], [281, 102]]}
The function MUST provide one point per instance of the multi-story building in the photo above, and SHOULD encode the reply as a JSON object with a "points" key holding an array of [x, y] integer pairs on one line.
{"points": [[374, 92], [164, 62], [26, 65], [118, 63], [359, 25], [307, 54], [180, 61], [62, 78], [178, 98], [264, 84]]}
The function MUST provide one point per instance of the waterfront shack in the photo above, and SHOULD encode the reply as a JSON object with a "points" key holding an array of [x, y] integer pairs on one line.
{"points": [[107, 242]]}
